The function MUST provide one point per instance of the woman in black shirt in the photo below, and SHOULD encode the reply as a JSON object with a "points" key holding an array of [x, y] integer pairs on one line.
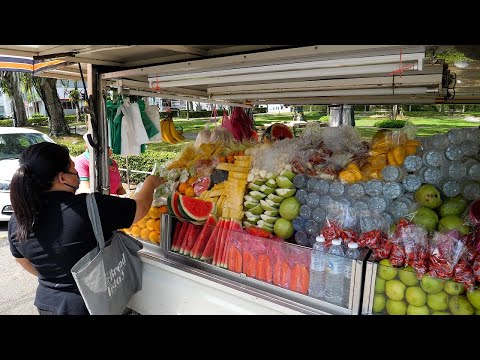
{"points": [[50, 229]]}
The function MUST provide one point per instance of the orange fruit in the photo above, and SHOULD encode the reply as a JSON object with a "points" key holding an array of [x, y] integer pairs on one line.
{"points": [[154, 213], [156, 227], [136, 230], [190, 192], [154, 237], [182, 187], [191, 180], [142, 223], [151, 224], [145, 233], [163, 209]]}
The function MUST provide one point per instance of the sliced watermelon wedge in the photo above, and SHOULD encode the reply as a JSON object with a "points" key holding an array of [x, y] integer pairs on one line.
{"points": [[209, 250], [173, 205], [178, 228], [249, 264], [192, 239], [181, 236], [220, 241], [264, 268], [235, 227], [256, 231], [196, 209], [207, 230], [190, 229], [235, 259]]}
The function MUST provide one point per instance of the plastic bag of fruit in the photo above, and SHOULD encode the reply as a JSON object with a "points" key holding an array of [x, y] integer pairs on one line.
{"points": [[415, 243], [446, 249], [340, 223], [299, 261], [463, 273]]}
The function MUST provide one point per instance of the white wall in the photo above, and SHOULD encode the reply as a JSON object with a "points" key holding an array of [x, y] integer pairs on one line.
{"points": [[278, 108]]}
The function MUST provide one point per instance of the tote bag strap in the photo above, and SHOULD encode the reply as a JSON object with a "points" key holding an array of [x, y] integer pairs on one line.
{"points": [[95, 220]]}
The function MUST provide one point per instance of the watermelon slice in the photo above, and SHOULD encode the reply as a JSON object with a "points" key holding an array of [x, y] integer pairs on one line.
{"points": [[172, 205], [299, 279], [181, 236], [249, 264], [190, 229], [207, 230], [235, 228], [196, 209], [264, 266], [197, 229], [209, 250], [220, 241], [256, 231], [235, 259], [178, 228]]}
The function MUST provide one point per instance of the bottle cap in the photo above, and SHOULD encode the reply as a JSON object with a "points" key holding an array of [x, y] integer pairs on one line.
{"points": [[336, 242], [352, 245], [320, 238]]}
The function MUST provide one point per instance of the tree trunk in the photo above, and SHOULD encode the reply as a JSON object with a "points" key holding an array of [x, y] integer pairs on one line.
{"points": [[77, 110], [47, 88], [188, 111], [11, 80]]}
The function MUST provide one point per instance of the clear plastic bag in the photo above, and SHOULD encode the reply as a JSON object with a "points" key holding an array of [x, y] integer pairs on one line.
{"points": [[446, 249]]}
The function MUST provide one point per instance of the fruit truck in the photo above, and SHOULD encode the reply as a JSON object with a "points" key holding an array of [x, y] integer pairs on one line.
{"points": [[241, 77]]}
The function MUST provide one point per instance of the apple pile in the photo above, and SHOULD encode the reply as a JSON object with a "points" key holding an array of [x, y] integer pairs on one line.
{"points": [[399, 291]]}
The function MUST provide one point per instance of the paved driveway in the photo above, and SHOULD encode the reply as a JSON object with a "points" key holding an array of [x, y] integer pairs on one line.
{"points": [[17, 287]]}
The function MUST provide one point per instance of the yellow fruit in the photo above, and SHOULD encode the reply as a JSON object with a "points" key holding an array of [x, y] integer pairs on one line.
{"points": [[190, 192], [357, 173], [151, 224], [145, 233], [414, 143], [378, 152], [154, 237], [399, 154], [391, 158], [410, 150], [352, 166], [347, 176], [136, 230], [142, 223], [156, 227], [154, 213]]}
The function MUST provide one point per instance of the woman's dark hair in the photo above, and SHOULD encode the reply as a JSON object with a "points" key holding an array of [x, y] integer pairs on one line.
{"points": [[39, 164]]}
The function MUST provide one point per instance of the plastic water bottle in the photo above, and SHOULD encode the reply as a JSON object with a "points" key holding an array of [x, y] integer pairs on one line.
{"points": [[352, 253], [335, 273], [316, 287]]}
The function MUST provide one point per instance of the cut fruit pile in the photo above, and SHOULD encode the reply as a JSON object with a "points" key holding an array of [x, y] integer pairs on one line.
{"points": [[149, 227]]}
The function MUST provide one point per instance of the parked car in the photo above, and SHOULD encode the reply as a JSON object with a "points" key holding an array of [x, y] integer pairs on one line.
{"points": [[12, 142]]}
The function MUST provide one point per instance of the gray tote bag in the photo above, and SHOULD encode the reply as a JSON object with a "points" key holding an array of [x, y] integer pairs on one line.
{"points": [[110, 274]]}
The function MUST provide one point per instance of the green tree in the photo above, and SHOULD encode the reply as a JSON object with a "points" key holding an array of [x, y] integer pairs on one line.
{"points": [[10, 85]]}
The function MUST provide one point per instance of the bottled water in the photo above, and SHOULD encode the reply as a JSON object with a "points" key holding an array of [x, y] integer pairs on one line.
{"points": [[301, 238], [321, 186], [392, 173], [392, 190], [451, 188], [456, 136], [471, 190], [301, 196], [325, 200], [311, 227], [433, 158], [472, 167], [352, 253], [377, 204], [388, 218], [299, 223], [305, 212], [311, 185], [430, 175], [469, 148], [455, 170], [336, 188], [300, 181], [360, 205], [412, 163], [318, 214], [440, 141], [355, 191], [316, 287], [335, 273], [398, 209], [454, 152], [412, 182], [374, 188], [313, 200], [343, 200], [473, 135]]}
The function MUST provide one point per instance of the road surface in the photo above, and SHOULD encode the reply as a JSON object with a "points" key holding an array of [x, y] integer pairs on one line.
{"points": [[17, 286]]}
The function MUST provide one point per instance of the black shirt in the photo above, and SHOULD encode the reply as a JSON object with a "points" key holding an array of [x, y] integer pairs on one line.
{"points": [[62, 236]]}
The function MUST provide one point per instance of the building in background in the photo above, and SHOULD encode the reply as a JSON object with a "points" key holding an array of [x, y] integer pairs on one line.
{"points": [[279, 108]]}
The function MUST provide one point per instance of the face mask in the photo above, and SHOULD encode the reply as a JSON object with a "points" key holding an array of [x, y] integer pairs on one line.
{"points": [[78, 180]]}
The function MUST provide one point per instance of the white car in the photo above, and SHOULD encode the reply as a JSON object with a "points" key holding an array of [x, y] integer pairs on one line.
{"points": [[12, 142]]}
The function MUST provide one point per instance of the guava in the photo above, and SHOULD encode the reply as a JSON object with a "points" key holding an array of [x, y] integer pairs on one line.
{"points": [[395, 289], [452, 222], [385, 270], [417, 310], [459, 305], [379, 301], [453, 206], [432, 285], [379, 285], [428, 196], [474, 298], [408, 276], [426, 217], [416, 296], [290, 208], [395, 307], [440, 313], [283, 228], [453, 288], [438, 301]]}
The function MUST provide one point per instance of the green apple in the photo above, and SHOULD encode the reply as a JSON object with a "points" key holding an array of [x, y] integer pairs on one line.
{"points": [[385, 270], [432, 285], [417, 310], [426, 217], [379, 285], [416, 296], [428, 196], [440, 313], [395, 307], [452, 222], [453, 288], [474, 298], [459, 305], [408, 276], [438, 301], [395, 289], [379, 301]]}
